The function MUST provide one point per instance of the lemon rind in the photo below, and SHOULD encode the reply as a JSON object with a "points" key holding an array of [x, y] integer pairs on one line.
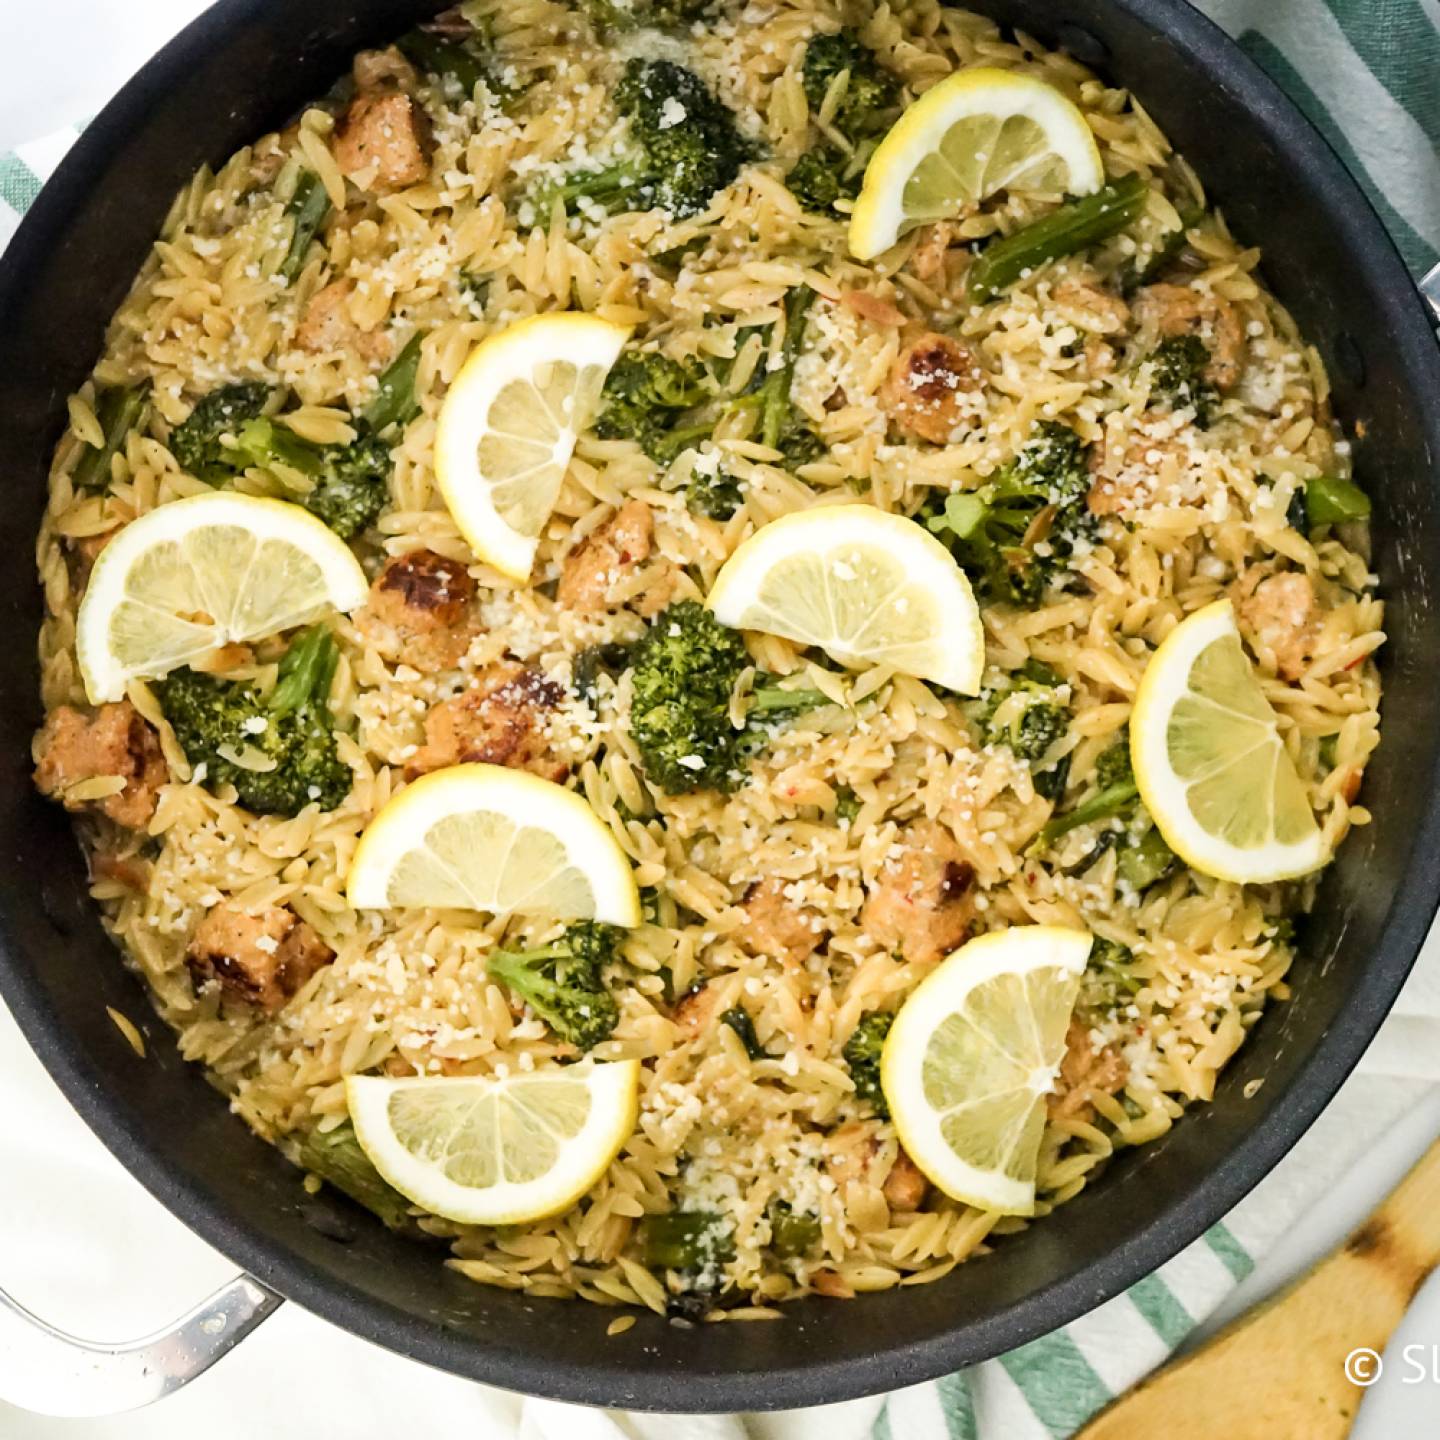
{"points": [[733, 596], [494, 363], [347, 588], [1016, 950], [614, 1110], [400, 827], [1162, 790], [879, 219]]}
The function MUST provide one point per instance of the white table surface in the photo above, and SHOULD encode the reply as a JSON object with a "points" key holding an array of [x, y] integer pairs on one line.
{"points": [[138, 1267]]}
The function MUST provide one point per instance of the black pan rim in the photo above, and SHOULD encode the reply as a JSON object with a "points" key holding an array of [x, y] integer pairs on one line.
{"points": [[627, 1381]]}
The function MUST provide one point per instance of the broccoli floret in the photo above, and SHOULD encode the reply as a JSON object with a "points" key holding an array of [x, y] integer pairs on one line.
{"points": [[820, 177], [1179, 366], [561, 981], [871, 92], [351, 481], [644, 397], [198, 442], [1143, 857], [685, 669], [607, 658], [847, 803], [862, 1054], [683, 146], [686, 666], [355, 486], [716, 495], [1015, 534], [278, 751], [610, 15], [1109, 978]]}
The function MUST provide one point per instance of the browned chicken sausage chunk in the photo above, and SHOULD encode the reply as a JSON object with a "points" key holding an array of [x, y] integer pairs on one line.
{"points": [[1084, 1073], [921, 903], [594, 568], [384, 141], [501, 720], [326, 326], [775, 926], [261, 959], [420, 610], [115, 741], [1283, 614], [928, 388]]}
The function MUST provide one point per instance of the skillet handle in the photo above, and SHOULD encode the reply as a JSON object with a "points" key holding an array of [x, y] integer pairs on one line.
{"points": [[50, 1373], [1430, 289]]}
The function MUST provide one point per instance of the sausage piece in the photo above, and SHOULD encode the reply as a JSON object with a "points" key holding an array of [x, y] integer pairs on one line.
{"points": [[73, 746], [501, 720], [326, 327], [261, 959], [1283, 614], [420, 610], [926, 393], [384, 142], [922, 904], [594, 568], [1084, 1073], [776, 926]]}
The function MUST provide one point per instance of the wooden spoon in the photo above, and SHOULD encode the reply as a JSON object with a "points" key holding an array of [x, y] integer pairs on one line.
{"points": [[1281, 1369]]}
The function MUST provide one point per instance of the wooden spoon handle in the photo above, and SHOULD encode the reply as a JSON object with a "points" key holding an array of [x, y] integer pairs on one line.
{"points": [[1280, 1370]]}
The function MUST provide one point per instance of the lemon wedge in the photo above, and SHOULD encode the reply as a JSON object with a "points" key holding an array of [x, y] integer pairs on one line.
{"points": [[867, 587], [483, 837], [975, 133], [201, 572], [972, 1055], [1209, 761], [508, 425], [497, 1151]]}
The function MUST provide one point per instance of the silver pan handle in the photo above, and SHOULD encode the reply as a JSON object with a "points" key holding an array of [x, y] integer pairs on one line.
{"points": [[50, 1373], [1430, 289]]}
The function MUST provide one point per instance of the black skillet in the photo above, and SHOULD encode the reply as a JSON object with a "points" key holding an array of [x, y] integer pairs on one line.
{"points": [[242, 69]]}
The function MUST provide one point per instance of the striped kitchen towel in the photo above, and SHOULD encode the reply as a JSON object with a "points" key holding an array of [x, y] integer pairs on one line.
{"points": [[1365, 72]]}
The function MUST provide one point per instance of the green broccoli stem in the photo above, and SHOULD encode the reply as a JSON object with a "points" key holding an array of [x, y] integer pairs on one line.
{"points": [[449, 59], [772, 698], [394, 402], [688, 1240], [792, 1233], [336, 1157], [775, 392], [306, 671], [264, 444], [1329, 500], [1076, 225], [1105, 804], [119, 409], [308, 208], [1146, 860]]}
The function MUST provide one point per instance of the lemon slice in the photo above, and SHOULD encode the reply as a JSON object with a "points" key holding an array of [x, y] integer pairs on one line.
{"points": [[201, 572], [497, 1151], [973, 134], [972, 1055], [867, 587], [1209, 762], [508, 426], [481, 837]]}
